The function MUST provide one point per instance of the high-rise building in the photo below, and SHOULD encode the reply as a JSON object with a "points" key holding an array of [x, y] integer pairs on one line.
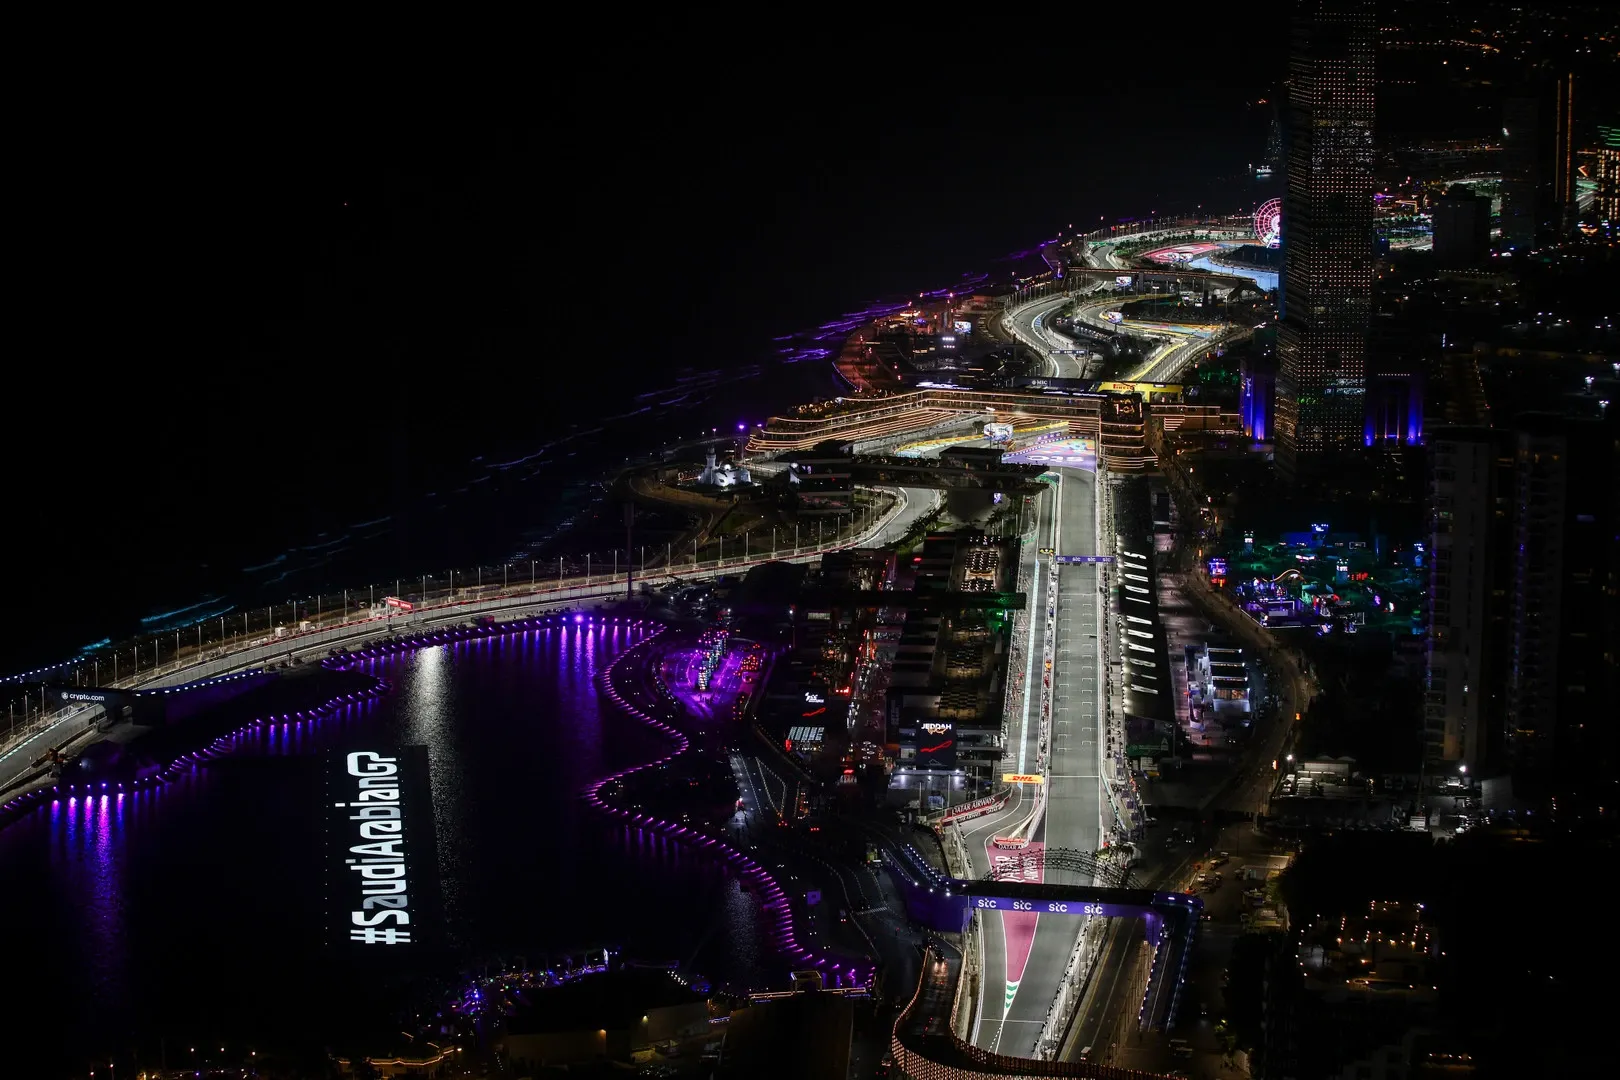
{"points": [[1394, 404], [1470, 528], [1328, 233], [1258, 377], [1538, 163], [1524, 568], [1462, 228], [1561, 653], [1606, 158]]}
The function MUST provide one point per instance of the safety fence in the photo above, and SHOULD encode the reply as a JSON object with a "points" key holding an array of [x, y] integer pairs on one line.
{"points": [[279, 632]]}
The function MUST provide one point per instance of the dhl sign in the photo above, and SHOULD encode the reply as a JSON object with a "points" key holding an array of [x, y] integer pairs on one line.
{"points": [[1022, 778]]}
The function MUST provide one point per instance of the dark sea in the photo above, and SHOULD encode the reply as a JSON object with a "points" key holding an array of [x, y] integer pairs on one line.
{"points": [[411, 403], [198, 912], [411, 359]]}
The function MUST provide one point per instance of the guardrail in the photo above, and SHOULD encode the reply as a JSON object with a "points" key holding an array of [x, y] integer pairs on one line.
{"points": [[924, 1054], [190, 663], [989, 804]]}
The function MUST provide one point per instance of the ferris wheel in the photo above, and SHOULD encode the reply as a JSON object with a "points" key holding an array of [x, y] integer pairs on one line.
{"points": [[1268, 223]]}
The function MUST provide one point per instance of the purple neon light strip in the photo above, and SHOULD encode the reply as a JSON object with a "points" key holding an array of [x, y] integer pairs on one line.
{"points": [[776, 906], [186, 763]]}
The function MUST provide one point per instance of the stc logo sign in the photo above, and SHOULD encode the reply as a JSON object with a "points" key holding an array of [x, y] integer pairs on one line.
{"points": [[378, 858], [1046, 907]]}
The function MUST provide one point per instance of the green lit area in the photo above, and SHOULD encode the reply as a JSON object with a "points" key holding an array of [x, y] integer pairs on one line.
{"points": [[1346, 586]]}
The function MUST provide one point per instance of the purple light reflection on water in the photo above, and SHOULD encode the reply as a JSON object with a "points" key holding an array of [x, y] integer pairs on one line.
{"points": [[602, 793], [522, 717]]}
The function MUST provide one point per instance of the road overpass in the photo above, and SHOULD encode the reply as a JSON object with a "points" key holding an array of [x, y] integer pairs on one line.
{"points": [[925, 1045], [1116, 420], [1175, 276]]}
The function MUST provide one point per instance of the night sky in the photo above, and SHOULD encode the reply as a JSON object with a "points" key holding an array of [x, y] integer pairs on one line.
{"points": [[252, 320]]}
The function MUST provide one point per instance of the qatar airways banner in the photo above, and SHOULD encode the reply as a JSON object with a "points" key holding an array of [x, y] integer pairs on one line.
{"points": [[382, 877]]}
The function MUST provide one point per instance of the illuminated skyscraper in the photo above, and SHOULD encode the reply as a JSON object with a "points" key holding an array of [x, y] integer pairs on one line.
{"points": [[1327, 230], [1606, 205]]}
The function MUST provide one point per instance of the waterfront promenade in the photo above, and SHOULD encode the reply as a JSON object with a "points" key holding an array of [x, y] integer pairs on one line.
{"points": [[27, 743]]}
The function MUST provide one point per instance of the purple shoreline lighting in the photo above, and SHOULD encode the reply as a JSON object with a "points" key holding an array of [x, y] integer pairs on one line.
{"points": [[774, 900]]}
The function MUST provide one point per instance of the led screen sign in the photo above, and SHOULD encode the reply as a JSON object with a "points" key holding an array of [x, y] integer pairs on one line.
{"points": [[381, 841], [936, 744]]}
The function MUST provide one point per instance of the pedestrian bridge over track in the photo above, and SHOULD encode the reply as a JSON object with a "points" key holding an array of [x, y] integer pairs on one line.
{"points": [[947, 905], [925, 1045]]}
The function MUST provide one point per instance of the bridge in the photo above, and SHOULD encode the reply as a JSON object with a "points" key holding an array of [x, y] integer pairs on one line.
{"points": [[1117, 421], [1169, 273], [947, 905], [925, 1045], [67, 726], [942, 473]]}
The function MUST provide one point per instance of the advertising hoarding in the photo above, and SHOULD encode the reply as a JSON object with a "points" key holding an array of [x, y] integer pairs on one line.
{"points": [[1054, 907]]}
